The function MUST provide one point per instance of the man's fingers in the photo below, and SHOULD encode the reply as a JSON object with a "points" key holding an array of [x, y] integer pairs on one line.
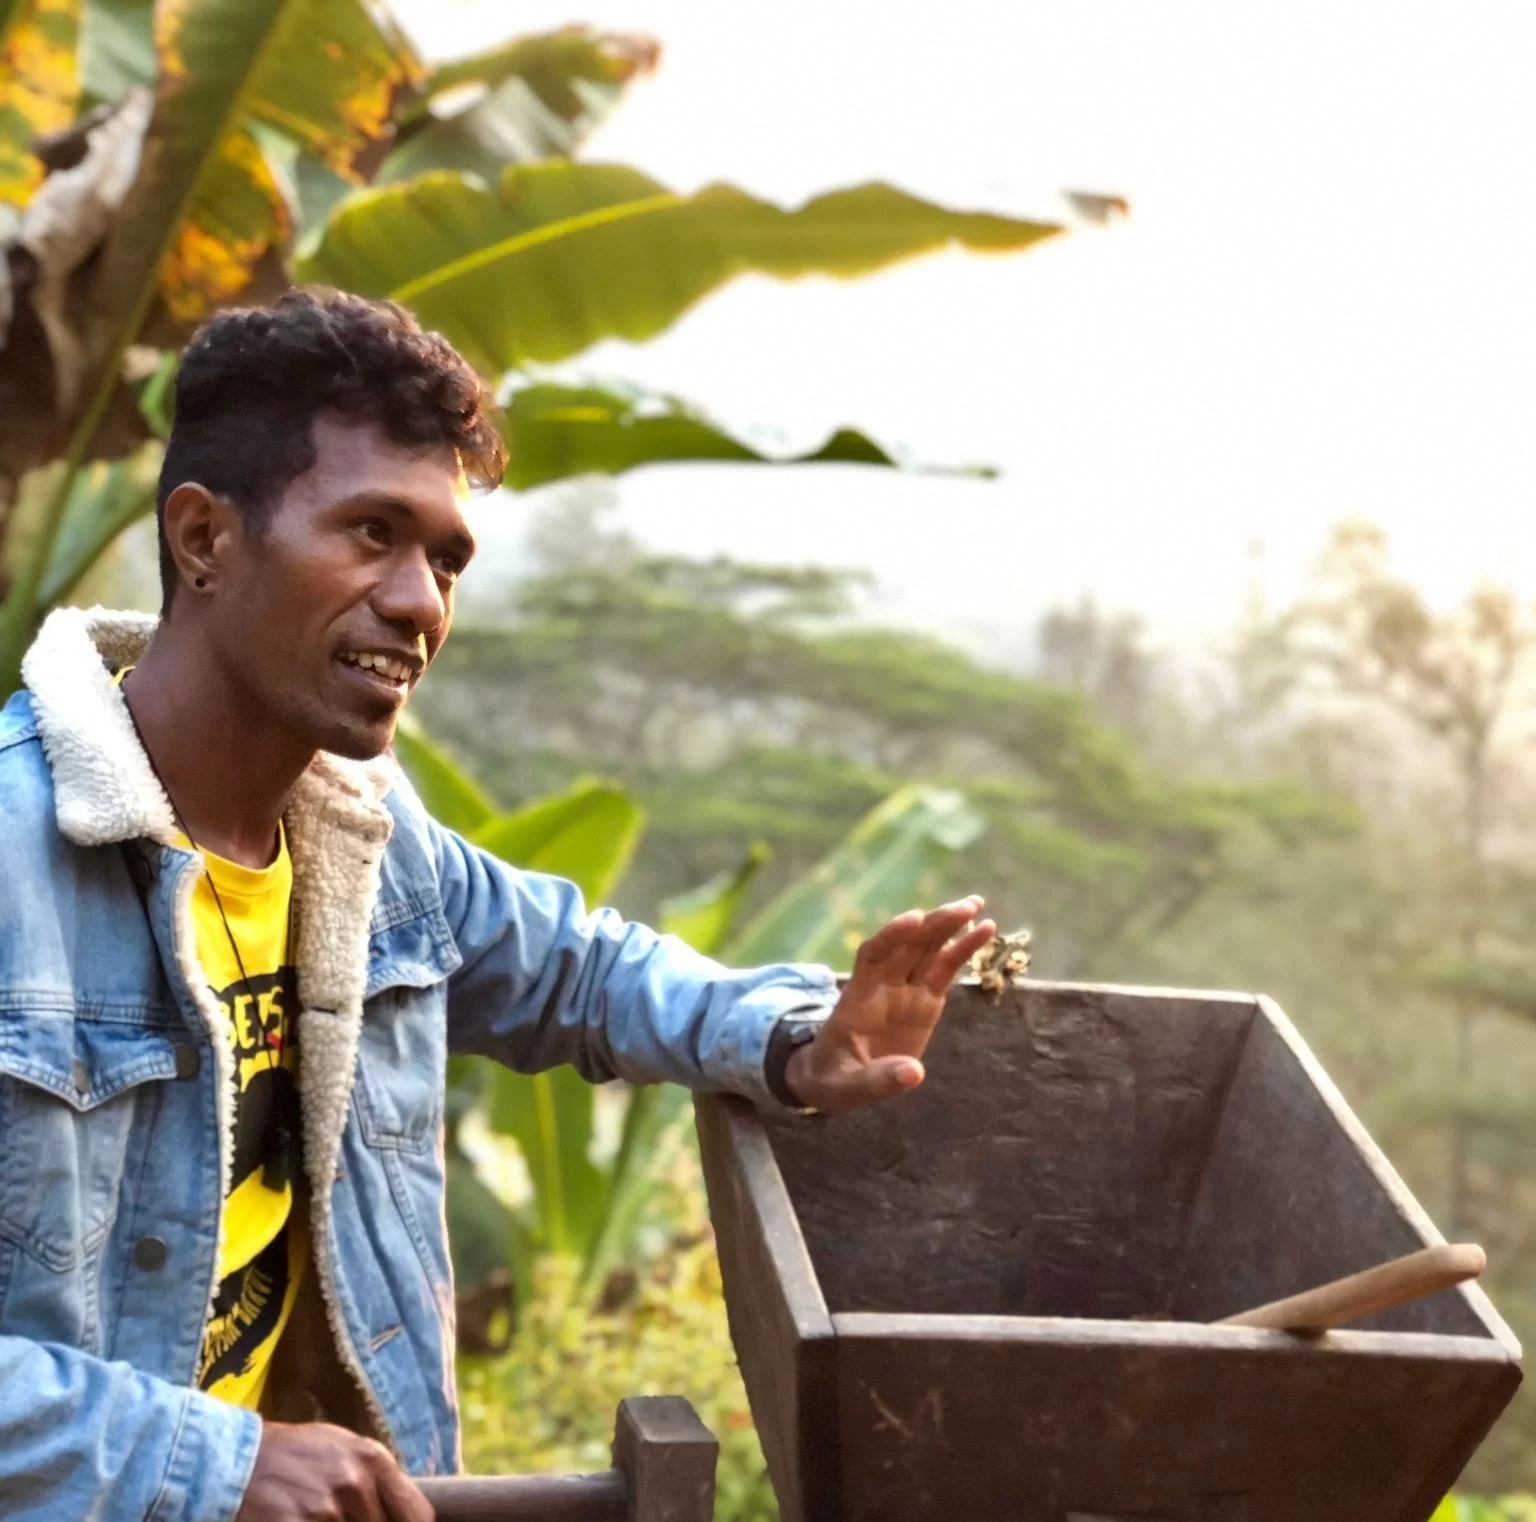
{"points": [[360, 1490], [902, 950], [948, 961], [403, 1501], [870, 962], [938, 927]]}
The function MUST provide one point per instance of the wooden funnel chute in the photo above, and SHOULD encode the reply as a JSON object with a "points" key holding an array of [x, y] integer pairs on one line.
{"points": [[994, 1298]]}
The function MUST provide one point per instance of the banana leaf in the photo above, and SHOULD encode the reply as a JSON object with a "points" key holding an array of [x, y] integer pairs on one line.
{"points": [[532, 98], [549, 1115], [705, 915], [104, 498], [450, 794], [555, 257], [205, 206], [557, 431], [587, 835], [39, 87], [894, 860], [703, 918], [117, 48]]}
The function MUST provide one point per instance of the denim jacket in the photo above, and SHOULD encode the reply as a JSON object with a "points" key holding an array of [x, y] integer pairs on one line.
{"points": [[117, 1091]]}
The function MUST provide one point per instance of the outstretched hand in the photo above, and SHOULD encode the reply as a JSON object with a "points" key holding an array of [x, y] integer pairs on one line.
{"points": [[872, 1044]]}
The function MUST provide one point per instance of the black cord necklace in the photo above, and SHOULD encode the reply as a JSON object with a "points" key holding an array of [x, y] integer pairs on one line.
{"points": [[279, 1163], [181, 824]]}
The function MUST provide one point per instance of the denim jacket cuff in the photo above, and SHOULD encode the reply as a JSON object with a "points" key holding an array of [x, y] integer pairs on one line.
{"points": [[211, 1462], [811, 996]]}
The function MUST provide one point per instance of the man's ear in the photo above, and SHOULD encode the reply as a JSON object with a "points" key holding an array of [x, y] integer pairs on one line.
{"points": [[202, 529]]}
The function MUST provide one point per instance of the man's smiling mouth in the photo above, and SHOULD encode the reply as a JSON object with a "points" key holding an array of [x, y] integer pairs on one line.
{"points": [[391, 670]]}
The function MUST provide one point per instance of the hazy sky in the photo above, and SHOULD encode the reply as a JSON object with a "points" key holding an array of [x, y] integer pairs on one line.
{"points": [[1321, 306]]}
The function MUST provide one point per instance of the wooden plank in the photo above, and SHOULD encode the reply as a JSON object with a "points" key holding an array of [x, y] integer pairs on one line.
{"points": [[778, 1317], [667, 1457], [1296, 1194], [1381, 1169], [528, 1497], [1033, 1419], [1049, 1164]]}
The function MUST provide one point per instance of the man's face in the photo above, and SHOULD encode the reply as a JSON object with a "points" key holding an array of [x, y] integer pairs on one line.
{"points": [[330, 614]]}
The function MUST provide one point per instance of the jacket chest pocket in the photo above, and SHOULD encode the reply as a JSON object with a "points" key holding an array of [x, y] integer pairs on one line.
{"points": [[69, 1093], [402, 1049]]}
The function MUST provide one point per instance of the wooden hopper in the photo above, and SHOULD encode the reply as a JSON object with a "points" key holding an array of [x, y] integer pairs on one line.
{"points": [[990, 1300]]}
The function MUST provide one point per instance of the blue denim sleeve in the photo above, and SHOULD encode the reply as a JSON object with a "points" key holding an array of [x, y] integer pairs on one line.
{"points": [[81, 1437], [545, 981]]}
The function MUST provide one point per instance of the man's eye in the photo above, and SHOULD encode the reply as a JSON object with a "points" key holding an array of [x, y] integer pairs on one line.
{"points": [[451, 565], [375, 529]]}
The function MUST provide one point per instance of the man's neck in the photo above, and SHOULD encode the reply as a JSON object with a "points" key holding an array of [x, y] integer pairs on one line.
{"points": [[228, 769]]}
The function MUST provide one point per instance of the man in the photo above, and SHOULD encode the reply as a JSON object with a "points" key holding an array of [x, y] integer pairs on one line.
{"points": [[235, 954]]}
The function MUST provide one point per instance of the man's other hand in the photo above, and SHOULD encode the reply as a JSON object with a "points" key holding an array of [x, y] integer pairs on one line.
{"points": [[872, 1044], [313, 1471]]}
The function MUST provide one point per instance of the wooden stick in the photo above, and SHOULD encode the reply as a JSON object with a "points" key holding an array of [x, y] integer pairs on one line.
{"points": [[1377, 1289], [600, 1497]]}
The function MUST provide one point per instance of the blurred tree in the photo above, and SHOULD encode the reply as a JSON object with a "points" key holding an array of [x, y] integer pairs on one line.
{"points": [[1453, 678], [160, 160], [741, 701], [1103, 656]]}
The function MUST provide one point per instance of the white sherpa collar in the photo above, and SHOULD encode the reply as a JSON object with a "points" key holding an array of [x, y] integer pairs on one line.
{"points": [[105, 789]]}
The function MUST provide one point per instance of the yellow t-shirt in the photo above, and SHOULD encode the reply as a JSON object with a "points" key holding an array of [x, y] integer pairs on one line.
{"points": [[265, 1240]]}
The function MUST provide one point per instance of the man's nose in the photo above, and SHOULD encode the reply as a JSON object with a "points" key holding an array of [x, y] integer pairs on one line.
{"points": [[409, 595]]}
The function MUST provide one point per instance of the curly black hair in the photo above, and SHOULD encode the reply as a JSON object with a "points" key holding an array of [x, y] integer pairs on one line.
{"points": [[253, 380]]}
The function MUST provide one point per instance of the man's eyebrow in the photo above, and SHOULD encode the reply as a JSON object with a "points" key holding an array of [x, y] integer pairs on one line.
{"points": [[461, 539]]}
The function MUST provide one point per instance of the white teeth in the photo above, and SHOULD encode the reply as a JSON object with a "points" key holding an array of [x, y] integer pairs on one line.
{"points": [[396, 671]]}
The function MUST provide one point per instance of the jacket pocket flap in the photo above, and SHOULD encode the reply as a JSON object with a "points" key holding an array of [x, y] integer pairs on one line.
{"points": [[410, 946], [82, 1062]]}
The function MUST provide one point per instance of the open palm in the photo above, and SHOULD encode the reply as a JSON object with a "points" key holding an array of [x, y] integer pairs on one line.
{"points": [[872, 1044]]}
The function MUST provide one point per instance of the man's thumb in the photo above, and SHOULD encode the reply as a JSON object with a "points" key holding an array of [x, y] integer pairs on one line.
{"points": [[886, 1077]]}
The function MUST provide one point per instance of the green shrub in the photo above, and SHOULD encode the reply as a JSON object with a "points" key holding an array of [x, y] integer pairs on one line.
{"points": [[1489, 1509], [547, 1403]]}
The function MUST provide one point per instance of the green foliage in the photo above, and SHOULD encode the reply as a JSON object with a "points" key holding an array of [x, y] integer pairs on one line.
{"points": [[586, 835], [104, 498], [1486, 1509], [548, 1402], [703, 917], [204, 208], [449, 793], [559, 431], [529, 99], [477, 261], [580, 1209], [894, 856], [117, 48], [42, 34], [813, 723], [267, 118]]}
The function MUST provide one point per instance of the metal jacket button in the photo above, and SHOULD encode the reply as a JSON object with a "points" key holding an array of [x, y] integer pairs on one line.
{"points": [[187, 1061], [150, 1253]]}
